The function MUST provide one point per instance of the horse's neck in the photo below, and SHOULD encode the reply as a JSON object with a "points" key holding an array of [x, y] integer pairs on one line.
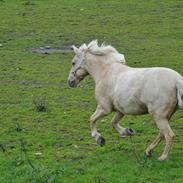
{"points": [[97, 68]]}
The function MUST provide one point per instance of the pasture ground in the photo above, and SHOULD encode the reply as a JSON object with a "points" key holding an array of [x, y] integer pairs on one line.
{"points": [[55, 145]]}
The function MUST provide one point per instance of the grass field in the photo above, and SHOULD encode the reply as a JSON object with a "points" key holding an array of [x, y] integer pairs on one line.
{"points": [[53, 143]]}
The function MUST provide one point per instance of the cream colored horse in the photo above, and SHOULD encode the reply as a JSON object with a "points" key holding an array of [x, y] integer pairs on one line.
{"points": [[128, 91]]}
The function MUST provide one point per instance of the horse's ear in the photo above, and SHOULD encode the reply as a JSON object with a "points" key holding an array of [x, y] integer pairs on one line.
{"points": [[75, 49]]}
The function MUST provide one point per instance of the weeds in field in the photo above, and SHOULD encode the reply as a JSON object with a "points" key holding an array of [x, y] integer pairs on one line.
{"points": [[24, 155], [29, 2], [40, 173], [40, 104]]}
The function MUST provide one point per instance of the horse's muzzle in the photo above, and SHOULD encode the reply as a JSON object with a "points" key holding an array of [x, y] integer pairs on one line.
{"points": [[72, 83]]}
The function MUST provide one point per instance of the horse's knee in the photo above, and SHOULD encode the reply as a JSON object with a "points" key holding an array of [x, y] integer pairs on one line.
{"points": [[92, 120], [114, 124], [170, 136]]}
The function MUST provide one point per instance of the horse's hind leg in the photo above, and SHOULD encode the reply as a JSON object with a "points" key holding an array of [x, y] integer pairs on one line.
{"points": [[115, 123], [99, 113], [150, 149], [167, 132], [169, 137]]}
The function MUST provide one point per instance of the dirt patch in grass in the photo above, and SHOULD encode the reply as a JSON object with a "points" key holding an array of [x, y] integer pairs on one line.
{"points": [[49, 50]]}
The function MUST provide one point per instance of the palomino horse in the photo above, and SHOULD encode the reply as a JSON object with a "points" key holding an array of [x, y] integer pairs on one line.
{"points": [[126, 90]]}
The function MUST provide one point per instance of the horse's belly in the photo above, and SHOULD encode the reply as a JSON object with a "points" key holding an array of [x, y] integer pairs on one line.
{"points": [[131, 108]]}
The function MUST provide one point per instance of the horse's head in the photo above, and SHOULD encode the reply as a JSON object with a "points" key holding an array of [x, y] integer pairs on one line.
{"points": [[78, 70]]}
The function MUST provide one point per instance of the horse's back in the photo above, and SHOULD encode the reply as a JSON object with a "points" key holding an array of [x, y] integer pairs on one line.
{"points": [[140, 89]]}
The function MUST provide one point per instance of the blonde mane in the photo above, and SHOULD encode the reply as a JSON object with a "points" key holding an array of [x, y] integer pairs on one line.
{"points": [[95, 49]]}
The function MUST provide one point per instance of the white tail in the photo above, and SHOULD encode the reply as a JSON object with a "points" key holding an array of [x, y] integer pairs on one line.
{"points": [[180, 93]]}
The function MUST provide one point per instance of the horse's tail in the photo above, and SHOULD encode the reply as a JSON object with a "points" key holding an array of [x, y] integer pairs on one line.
{"points": [[180, 93]]}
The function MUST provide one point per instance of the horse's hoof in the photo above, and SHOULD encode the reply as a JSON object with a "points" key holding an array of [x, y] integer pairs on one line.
{"points": [[162, 158], [101, 141], [123, 135], [148, 154], [129, 131]]}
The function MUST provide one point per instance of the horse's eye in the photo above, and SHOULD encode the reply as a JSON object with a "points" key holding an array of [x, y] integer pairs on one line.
{"points": [[73, 63]]}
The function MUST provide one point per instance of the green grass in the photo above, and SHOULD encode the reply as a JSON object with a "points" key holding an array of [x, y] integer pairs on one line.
{"points": [[149, 33]]}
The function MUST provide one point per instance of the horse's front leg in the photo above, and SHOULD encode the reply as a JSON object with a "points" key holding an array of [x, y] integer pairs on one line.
{"points": [[99, 113], [122, 131]]}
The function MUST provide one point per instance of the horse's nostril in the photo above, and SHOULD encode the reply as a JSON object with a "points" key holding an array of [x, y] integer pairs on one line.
{"points": [[69, 82], [72, 83]]}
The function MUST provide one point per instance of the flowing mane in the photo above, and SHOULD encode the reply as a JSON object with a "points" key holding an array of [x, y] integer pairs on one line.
{"points": [[95, 49]]}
